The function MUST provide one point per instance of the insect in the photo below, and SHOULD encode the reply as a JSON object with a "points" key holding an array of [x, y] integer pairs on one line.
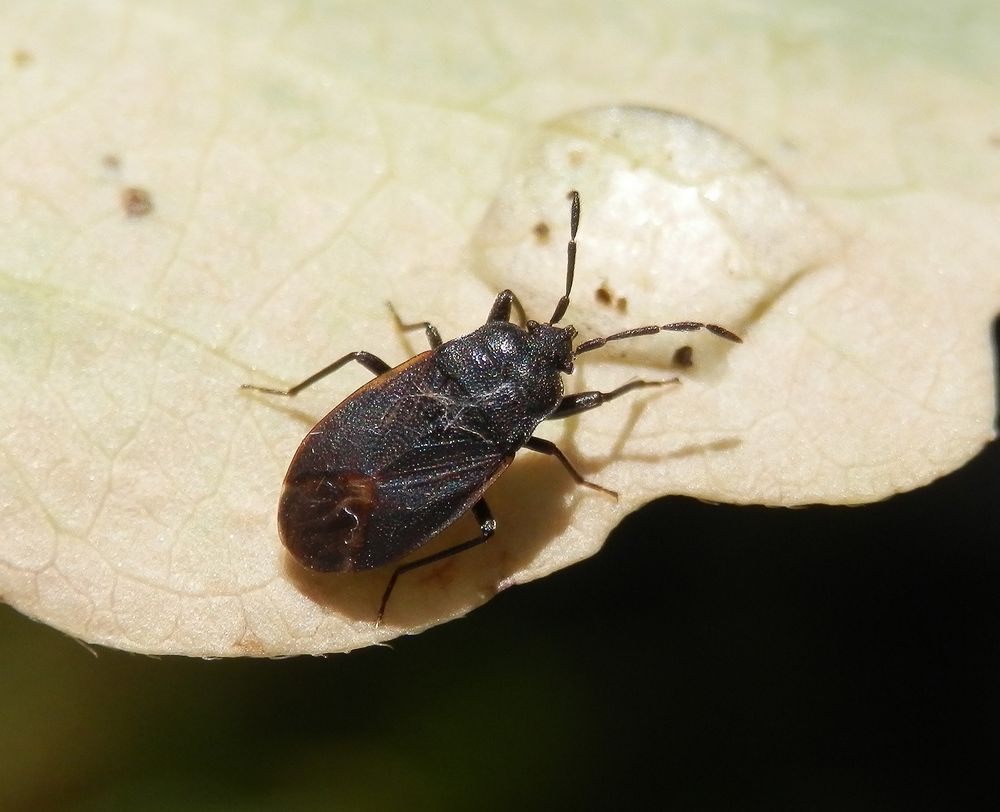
{"points": [[419, 445]]}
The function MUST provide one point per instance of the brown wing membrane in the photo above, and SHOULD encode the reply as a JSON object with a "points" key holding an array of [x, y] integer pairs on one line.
{"points": [[323, 518], [439, 487], [328, 518], [362, 492]]}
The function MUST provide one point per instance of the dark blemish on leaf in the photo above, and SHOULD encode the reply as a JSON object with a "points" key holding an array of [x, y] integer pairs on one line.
{"points": [[541, 231], [22, 58], [607, 298], [136, 201], [684, 357], [111, 162]]}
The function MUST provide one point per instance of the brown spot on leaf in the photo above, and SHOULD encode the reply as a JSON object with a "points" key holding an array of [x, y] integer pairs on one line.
{"points": [[541, 231], [605, 297], [136, 201], [684, 356], [249, 645], [22, 58]]}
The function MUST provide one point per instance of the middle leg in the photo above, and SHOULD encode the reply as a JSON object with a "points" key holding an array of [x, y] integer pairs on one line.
{"points": [[550, 448], [433, 336]]}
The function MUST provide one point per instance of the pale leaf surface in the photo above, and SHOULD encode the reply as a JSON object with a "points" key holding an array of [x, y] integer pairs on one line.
{"points": [[294, 165]]}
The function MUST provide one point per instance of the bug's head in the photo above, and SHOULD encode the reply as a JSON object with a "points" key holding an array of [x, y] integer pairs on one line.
{"points": [[554, 344]]}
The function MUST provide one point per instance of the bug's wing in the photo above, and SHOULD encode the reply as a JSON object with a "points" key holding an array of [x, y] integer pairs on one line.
{"points": [[429, 486]]}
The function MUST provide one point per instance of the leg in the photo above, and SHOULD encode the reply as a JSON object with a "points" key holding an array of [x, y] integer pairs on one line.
{"points": [[584, 401], [487, 526], [501, 307], [548, 447], [433, 336], [372, 363]]}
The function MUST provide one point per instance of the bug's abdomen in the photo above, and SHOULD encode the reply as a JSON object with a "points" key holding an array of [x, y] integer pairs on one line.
{"points": [[323, 518], [387, 470]]}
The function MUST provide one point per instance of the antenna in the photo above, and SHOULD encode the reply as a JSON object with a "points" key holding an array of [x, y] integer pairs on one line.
{"points": [[574, 223], [677, 327]]}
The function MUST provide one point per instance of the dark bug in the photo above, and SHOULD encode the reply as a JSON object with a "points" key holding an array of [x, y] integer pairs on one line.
{"points": [[416, 447]]}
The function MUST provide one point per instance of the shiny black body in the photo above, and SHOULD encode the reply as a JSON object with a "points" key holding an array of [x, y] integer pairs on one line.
{"points": [[417, 447]]}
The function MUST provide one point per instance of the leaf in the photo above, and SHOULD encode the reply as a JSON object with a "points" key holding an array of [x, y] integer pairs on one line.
{"points": [[195, 196]]}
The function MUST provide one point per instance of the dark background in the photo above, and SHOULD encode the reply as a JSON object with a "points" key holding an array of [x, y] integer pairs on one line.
{"points": [[709, 658]]}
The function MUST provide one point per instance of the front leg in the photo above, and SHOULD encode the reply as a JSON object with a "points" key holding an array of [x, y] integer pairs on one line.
{"points": [[502, 305], [584, 401]]}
